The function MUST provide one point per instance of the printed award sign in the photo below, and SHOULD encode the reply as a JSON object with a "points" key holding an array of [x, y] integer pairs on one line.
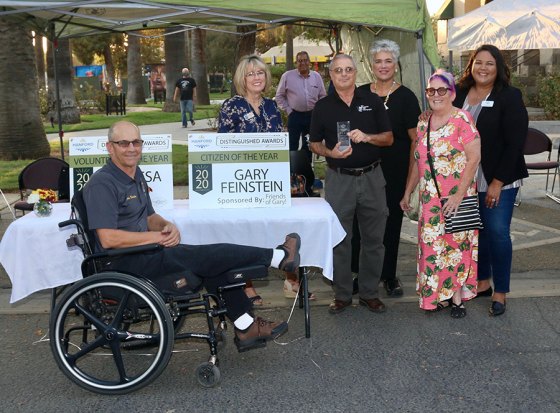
{"points": [[88, 154], [239, 170]]}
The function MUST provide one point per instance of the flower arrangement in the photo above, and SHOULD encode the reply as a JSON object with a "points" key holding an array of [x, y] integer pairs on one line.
{"points": [[42, 198]]}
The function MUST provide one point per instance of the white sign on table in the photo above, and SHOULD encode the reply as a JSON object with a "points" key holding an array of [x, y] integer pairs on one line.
{"points": [[239, 170], [88, 154]]}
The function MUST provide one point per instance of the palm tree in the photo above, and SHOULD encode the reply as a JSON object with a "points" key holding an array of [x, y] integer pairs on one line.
{"points": [[69, 112], [134, 68], [198, 63], [174, 47], [21, 130]]}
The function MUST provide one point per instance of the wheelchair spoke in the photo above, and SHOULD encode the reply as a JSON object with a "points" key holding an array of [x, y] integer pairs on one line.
{"points": [[120, 309], [84, 350], [118, 359], [97, 323]]}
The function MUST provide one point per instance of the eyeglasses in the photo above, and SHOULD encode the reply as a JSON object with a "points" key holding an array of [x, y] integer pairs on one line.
{"points": [[137, 143], [347, 69], [442, 91], [258, 73]]}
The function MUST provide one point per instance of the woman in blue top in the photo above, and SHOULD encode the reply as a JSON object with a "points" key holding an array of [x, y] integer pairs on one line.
{"points": [[250, 111]]}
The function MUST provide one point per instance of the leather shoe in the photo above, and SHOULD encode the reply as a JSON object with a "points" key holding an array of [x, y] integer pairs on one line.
{"points": [[497, 308], [338, 305], [290, 262], [374, 304], [258, 333]]}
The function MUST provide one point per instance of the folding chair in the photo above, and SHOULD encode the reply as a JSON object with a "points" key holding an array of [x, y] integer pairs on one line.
{"points": [[538, 142], [43, 173]]}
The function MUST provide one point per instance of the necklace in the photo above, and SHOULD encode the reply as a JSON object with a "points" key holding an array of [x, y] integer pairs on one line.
{"points": [[388, 93]]}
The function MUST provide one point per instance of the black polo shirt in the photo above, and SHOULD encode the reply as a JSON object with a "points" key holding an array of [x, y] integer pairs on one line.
{"points": [[366, 113], [116, 201]]}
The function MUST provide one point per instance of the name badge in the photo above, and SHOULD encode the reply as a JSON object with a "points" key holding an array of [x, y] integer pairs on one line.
{"points": [[249, 115], [487, 103]]}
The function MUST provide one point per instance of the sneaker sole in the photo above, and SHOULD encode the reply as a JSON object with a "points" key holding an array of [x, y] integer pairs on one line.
{"points": [[297, 259]]}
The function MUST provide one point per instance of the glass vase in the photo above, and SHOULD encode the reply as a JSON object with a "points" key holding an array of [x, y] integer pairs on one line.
{"points": [[42, 208]]}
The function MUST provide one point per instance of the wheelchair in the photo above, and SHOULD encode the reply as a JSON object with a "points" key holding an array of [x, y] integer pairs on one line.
{"points": [[113, 332]]}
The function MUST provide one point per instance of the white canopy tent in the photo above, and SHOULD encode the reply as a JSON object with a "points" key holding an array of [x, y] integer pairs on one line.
{"points": [[509, 25], [319, 51]]}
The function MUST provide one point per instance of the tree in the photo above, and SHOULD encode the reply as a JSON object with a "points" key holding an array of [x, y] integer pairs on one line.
{"points": [[21, 130], [174, 47], [135, 92], [245, 45], [289, 47], [198, 63], [68, 109]]}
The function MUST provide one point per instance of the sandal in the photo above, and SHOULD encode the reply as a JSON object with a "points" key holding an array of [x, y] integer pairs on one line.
{"points": [[458, 310], [442, 305], [291, 290], [256, 300]]}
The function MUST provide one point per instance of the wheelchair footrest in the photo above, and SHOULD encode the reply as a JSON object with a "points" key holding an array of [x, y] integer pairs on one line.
{"points": [[188, 297]]}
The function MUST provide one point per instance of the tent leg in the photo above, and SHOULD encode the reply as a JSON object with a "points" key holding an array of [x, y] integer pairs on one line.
{"points": [[420, 47], [57, 87]]}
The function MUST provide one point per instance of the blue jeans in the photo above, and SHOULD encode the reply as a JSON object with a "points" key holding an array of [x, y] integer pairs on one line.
{"points": [[187, 106], [495, 250]]}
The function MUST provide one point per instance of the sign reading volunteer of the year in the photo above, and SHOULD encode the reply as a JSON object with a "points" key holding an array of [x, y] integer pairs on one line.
{"points": [[239, 170], [88, 154]]}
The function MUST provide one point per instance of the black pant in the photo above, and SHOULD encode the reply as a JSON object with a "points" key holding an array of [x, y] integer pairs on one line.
{"points": [[298, 127], [198, 264]]}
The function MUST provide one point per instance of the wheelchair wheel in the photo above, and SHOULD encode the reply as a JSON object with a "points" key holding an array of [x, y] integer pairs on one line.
{"points": [[208, 374], [100, 328]]}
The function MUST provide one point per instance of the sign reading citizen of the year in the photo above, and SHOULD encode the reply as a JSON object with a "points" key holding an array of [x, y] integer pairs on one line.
{"points": [[239, 170]]}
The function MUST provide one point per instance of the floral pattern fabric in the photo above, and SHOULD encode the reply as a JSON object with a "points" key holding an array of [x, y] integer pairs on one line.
{"points": [[446, 262], [237, 115]]}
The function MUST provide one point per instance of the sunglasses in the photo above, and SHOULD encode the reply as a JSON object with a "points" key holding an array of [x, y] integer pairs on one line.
{"points": [[125, 144], [441, 91]]}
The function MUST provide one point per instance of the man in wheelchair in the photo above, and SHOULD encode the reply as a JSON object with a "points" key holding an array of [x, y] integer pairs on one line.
{"points": [[120, 214]]}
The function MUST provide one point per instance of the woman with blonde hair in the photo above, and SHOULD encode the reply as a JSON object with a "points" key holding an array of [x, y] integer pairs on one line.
{"points": [[251, 111]]}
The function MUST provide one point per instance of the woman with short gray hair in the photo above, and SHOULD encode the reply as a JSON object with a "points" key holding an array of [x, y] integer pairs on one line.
{"points": [[403, 109]]}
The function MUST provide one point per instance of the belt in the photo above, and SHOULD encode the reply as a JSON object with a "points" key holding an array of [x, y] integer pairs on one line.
{"points": [[356, 171], [304, 113]]}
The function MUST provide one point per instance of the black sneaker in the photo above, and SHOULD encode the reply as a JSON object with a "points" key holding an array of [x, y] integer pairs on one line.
{"points": [[192, 122], [393, 287]]}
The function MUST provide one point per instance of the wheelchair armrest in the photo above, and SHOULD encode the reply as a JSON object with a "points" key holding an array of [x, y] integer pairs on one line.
{"points": [[125, 251]]}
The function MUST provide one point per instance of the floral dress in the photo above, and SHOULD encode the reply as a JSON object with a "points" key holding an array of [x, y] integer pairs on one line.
{"points": [[237, 115], [446, 262]]}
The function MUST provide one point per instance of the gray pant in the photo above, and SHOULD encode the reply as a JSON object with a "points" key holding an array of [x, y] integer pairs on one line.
{"points": [[364, 195]]}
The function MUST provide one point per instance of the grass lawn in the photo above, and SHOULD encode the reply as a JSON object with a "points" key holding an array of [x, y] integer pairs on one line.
{"points": [[102, 121]]}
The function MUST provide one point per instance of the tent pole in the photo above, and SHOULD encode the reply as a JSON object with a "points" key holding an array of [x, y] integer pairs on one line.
{"points": [[420, 47], [57, 90]]}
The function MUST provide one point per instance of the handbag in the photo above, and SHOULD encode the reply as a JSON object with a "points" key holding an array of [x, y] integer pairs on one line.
{"points": [[467, 216]]}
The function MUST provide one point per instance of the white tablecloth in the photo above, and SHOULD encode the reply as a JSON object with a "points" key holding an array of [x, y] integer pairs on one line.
{"points": [[33, 250]]}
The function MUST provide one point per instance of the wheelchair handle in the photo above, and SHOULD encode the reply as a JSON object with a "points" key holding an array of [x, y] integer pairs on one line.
{"points": [[69, 222]]}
